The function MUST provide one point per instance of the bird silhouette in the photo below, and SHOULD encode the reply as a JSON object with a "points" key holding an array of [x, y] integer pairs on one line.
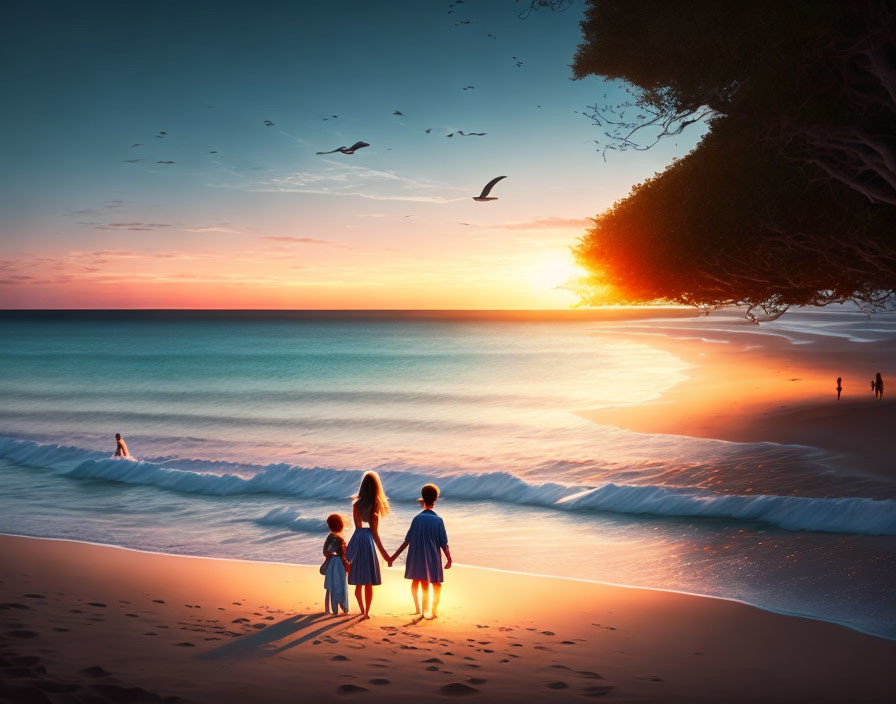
{"points": [[488, 189], [213, 152], [398, 112], [428, 131], [164, 162], [268, 123], [347, 150], [469, 88], [471, 134], [132, 161], [136, 145]]}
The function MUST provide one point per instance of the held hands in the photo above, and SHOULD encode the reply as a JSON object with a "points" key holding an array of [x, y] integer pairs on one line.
{"points": [[448, 564]]}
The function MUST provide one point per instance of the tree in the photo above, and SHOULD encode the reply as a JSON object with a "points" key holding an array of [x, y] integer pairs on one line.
{"points": [[800, 98]]}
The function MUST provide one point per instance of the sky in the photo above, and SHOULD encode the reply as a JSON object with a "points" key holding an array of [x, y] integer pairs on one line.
{"points": [[139, 171]]}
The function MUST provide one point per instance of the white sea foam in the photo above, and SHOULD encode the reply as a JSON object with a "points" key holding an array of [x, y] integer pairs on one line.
{"points": [[834, 515]]}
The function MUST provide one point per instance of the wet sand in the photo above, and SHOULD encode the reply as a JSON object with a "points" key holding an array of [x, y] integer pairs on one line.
{"points": [[761, 388], [87, 623]]}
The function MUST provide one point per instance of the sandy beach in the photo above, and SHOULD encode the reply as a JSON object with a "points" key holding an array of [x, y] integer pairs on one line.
{"points": [[746, 387], [87, 623]]}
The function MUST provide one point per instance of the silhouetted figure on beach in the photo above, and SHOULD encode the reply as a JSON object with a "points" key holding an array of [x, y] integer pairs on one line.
{"points": [[427, 540], [121, 450], [872, 387], [839, 387], [878, 386], [370, 505]]}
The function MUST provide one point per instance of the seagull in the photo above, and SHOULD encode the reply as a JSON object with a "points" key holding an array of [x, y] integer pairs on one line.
{"points": [[136, 145], [213, 152], [164, 162], [428, 131], [268, 123], [162, 132], [488, 189], [471, 134], [398, 112], [469, 88], [450, 135], [347, 150], [132, 161]]}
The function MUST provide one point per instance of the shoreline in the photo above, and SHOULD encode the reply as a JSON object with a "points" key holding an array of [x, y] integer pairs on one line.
{"points": [[496, 570], [114, 620], [778, 392]]}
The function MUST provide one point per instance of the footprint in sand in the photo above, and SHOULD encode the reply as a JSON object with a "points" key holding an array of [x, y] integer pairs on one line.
{"points": [[590, 674], [240, 620], [259, 626], [132, 615], [34, 596], [59, 629], [557, 685], [98, 604], [434, 660], [150, 633], [476, 680], [186, 644], [548, 633], [380, 681], [339, 658], [75, 611], [432, 668], [158, 601], [94, 671], [352, 689], [458, 689], [597, 690], [21, 633], [13, 605]]}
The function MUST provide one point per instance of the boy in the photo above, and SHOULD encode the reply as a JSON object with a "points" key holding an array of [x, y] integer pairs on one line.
{"points": [[425, 537]]}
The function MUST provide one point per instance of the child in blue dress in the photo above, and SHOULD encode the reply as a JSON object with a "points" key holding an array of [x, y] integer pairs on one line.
{"points": [[335, 567], [370, 505], [425, 538]]}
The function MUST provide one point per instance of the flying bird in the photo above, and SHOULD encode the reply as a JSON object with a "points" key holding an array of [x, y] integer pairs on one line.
{"points": [[398, 112], [162, 132], [471, 134], [450, 135], [136, 145], [347, 150], [164, 162], [488, 189], [428, 131], [213, 152], [132, 161], [268, 123], [469, 88]]}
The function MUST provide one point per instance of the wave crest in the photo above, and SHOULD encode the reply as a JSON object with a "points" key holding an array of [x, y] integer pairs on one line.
{"points": [[796, 513]]}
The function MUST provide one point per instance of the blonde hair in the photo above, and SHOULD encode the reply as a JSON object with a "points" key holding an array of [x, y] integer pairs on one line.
{"points": [[371, 499]]}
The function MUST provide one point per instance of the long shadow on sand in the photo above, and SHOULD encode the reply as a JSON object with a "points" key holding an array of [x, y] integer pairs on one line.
{"points": [[260, 644]]}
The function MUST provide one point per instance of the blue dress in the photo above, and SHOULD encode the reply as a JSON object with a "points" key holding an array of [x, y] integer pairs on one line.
{"points": [[361, 553], [425, 537]]}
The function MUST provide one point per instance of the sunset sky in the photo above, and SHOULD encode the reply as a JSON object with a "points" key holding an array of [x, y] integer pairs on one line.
{"points": [[88, 220]]}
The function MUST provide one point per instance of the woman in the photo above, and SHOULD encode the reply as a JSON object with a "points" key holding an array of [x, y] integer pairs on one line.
{"points": [[370, 504]]}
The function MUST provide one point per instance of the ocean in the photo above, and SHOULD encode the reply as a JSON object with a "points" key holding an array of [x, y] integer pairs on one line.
{"points": [[248, 429]]}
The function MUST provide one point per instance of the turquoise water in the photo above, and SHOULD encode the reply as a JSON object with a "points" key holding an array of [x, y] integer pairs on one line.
{"points": [[249, 430]]}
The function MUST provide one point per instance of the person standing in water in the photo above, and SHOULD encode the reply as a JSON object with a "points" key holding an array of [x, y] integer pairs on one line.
{"points": [[121, 450], [839, 387], [878, 386], [370, 505]]}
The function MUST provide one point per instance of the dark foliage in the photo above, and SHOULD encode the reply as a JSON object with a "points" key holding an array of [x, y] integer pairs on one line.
{"points": [[790, 198]]}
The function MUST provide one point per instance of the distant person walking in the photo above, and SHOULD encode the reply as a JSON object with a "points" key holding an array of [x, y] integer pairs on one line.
{"points": [[121, 449], [878, 386], [839, 387], [370, 505]]}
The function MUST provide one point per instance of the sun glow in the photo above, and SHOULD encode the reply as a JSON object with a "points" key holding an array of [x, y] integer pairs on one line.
{"points": [[557, 269]]}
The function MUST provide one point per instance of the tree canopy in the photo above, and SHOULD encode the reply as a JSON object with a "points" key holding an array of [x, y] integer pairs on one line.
{"points": [[790, 198]]}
